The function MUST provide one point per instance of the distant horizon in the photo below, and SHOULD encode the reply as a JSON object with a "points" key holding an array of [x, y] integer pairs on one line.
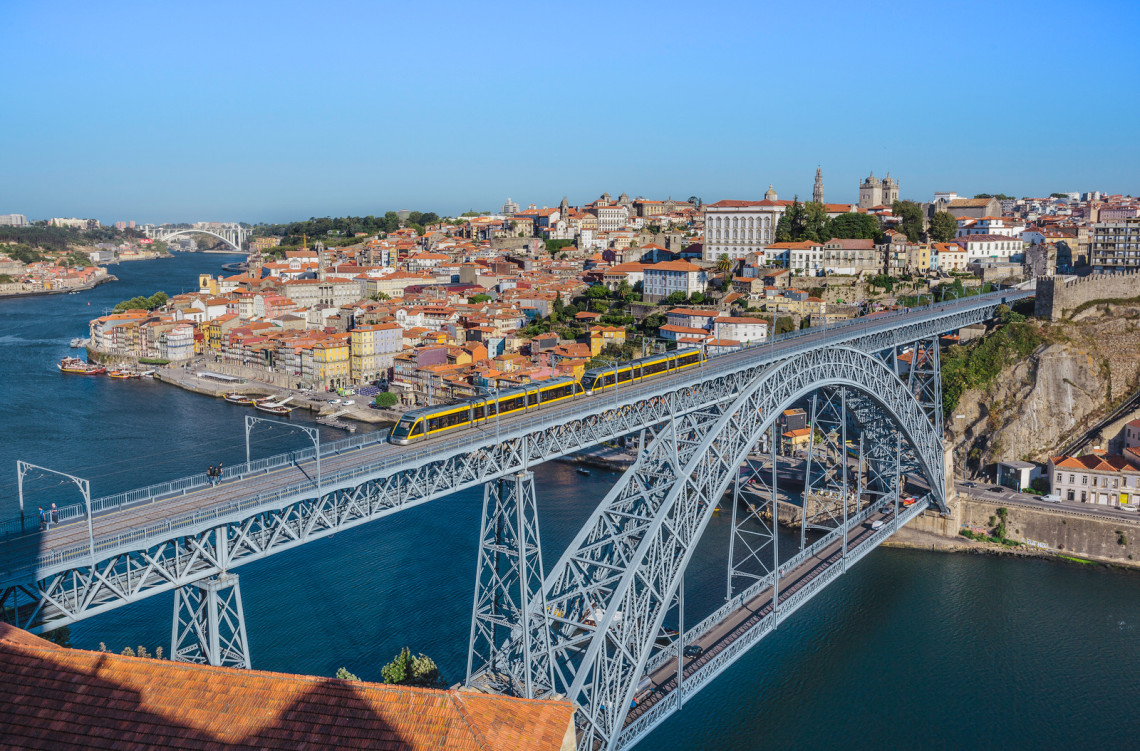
{"points": [[278, 112], [523, 204]]}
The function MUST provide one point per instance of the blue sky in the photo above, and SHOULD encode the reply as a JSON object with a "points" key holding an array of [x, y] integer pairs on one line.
{"points": [[278, 111]]}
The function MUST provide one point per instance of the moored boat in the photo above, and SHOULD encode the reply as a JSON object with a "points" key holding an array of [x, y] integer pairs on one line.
{"points": [[274, 408], [79, 367], [234, 398]]}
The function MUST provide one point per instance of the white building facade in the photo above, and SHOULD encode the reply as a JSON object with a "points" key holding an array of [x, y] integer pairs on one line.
{"points": [[737, 228]]}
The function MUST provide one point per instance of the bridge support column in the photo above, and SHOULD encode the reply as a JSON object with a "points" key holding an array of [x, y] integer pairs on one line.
{"points": [[209, 626], [508, 593]]}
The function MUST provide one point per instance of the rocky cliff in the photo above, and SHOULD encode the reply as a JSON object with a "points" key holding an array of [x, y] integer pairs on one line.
{"points": [[1038, 403]]}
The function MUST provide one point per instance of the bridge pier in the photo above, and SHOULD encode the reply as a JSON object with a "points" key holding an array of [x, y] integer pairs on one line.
{"points": [[209, 625], [508, 592]]}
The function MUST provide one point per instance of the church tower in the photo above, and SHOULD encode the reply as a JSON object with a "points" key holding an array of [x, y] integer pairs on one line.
{"points": [[870, 192], [890, 190], [770, 194], [817, 192], [564, 210]]}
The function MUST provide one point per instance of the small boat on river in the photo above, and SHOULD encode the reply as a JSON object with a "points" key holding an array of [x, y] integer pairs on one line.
{"points": [[79, 367], [234, 398]]}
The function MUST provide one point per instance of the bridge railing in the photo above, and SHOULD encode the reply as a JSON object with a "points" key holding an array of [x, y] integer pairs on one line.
{"points": [[183, 485], [174, 488]]}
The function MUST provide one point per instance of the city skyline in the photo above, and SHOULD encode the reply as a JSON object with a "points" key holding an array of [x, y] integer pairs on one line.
{"points": [[278, 115]]}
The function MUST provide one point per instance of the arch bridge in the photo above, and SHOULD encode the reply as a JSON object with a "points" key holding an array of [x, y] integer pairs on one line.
{"points": [[233, 235], [604, 625]]}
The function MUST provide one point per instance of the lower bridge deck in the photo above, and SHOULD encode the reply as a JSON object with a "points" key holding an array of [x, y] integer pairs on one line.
{"points": [[729, 636]]}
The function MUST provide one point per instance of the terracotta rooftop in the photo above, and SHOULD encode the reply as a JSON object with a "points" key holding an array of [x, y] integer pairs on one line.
{"points": [[56, 697]]}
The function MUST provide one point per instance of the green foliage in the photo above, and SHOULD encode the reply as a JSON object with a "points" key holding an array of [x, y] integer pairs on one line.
{"points": [[854, 226], [344, 675], [882, 281], [293, 232], [943, 227], [979, 363], [153, 361], [157, 300], [60, 636], [697, 298], [1058, 195], [999, 196], [784, 324], [674, 298], [910, 214], [406, 670], [6, 279], [385, 399], [598, 292], [481, 297], [803, 221], [378, 297], [553, 246]]}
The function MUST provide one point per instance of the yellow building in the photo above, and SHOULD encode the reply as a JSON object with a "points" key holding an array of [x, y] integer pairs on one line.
{"points": [[602, 336], [207, 283], [331, 362]]}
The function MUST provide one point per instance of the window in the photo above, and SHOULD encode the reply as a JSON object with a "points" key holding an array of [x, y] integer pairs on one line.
{"points": [[1070, 495], [1084, 479], [1084, 496]]}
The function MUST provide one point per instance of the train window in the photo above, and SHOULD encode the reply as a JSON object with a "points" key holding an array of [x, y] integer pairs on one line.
{"points": [[656, 367], [491, 408], [513, 402], [532, 397], [417, 429], [477, 412], [403, 427], [590, 383], [624, 375], [578, 389], [433, 423]]}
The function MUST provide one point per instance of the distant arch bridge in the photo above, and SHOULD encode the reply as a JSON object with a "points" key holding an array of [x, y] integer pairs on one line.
{"points": [[233, 235]]}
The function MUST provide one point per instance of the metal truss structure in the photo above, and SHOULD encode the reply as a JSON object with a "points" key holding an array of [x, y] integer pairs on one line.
{"points": [[589, 628], [209, 626], [607, 596]]}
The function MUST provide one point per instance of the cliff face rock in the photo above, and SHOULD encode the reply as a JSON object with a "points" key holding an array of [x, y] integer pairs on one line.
{"points": [[1040, 403]]}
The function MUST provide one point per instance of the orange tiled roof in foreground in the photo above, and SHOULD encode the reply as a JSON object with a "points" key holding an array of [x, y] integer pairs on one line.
{"points": [[55, 697]]}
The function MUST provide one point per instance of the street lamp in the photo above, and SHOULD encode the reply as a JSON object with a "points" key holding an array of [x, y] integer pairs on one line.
{"points": [[313, 433], [84, 486]]}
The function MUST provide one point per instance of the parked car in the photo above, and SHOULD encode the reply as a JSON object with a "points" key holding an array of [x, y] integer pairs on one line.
{"points": [[1051, 498], [969, 485], [693, 650], [335, 401], [996, 489], [349, 402]]}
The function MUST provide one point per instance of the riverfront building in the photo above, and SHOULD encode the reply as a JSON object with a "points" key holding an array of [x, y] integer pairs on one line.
{"points": [[1098, 478]]}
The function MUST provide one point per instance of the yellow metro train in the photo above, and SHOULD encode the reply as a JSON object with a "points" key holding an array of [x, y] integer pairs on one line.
{"points": [[428, 422]]}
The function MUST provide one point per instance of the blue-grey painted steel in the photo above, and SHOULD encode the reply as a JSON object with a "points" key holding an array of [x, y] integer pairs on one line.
{"points": [[56, 587], [608, 594]]}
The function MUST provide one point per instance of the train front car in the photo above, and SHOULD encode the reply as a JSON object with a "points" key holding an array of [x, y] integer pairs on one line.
{"points": [[407, 429]]}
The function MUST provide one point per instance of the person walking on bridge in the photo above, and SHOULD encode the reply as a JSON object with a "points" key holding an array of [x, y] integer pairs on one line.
{"points": [[43, 519], [54, 514]]}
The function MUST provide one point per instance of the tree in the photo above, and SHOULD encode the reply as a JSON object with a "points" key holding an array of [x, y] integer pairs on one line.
{"points": [[623, 291], [999, 196], [597, 292], [1058, 195], [675, 298], [157, 300], [478, 298], [379, 297], [854, 226], [724, 263], [697, 298], [385, 399], [344, 675], [943, 227], [406, 670], [911, 215], [815, 222], [559, 307]]}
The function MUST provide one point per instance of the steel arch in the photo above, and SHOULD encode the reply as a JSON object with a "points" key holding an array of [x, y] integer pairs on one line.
{"points": [[656, 547]]}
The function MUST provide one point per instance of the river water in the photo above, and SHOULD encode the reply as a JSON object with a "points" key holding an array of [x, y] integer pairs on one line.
{"points": [[908, 649]]}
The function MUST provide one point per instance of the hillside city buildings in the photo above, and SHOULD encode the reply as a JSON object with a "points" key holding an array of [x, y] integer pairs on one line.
{"points": [[448, 311]]}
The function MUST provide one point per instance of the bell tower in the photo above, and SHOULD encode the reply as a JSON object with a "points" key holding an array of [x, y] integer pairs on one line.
{"points": [[817, 191]]}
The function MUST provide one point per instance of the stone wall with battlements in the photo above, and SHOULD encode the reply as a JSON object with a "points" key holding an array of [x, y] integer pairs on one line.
{"points": [[1058, 297]]}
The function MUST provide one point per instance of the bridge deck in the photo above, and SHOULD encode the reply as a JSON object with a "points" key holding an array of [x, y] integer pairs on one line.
{"points": [[18, 550], [756, 613]]}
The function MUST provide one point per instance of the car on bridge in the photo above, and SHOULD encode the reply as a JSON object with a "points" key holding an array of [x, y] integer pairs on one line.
{"points": [[693, 650]]}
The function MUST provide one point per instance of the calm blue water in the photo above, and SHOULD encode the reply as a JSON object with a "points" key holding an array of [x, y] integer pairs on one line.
{"points": [[909, 649]]}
